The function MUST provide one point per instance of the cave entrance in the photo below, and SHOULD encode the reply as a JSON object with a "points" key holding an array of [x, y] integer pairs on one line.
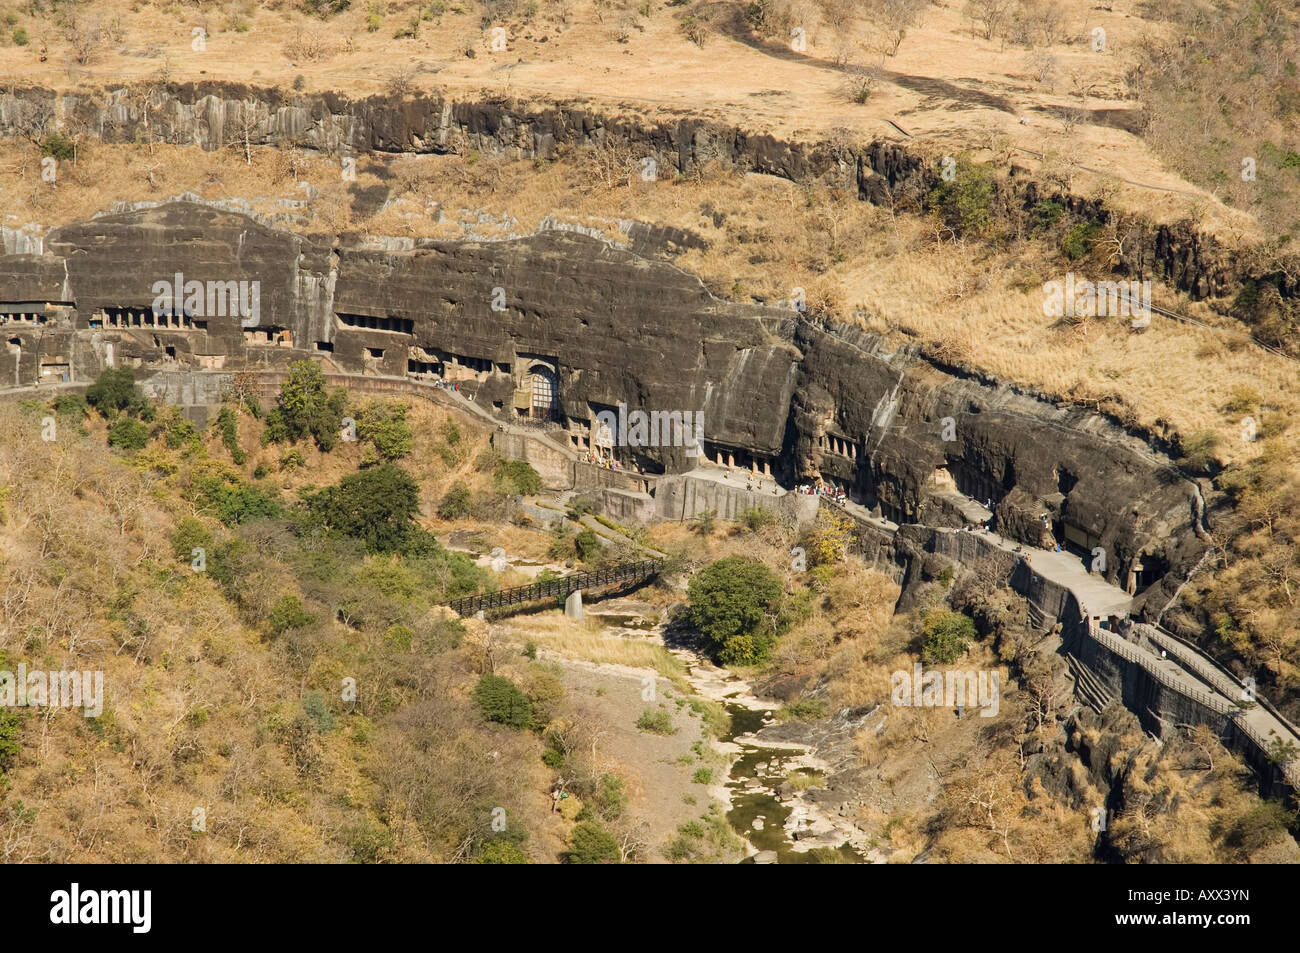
{"points": [[1148, 570], [543, 388], [1079, 542]]}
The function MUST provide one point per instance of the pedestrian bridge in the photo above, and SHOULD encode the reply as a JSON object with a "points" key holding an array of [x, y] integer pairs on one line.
{"points": [[519, 596]]}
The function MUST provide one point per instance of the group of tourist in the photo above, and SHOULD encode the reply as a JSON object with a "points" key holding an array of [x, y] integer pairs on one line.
{"points": [[600, 461], [834, 493]]}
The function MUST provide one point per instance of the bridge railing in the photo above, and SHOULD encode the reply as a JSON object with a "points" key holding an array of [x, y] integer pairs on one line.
{"points": [[552, 588], [1227, 673], [1118, 646]]}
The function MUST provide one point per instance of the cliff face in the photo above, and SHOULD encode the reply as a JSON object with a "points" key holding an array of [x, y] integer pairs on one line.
{"points": [[599, 326], [213, 115]]}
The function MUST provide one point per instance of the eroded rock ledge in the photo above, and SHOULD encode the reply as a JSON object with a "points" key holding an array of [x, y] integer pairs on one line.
{"points": [[600, 326], [212, 115]]}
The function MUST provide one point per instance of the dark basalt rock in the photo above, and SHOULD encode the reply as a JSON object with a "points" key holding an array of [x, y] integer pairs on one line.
{"points": [[807, 397], [215, 114]]}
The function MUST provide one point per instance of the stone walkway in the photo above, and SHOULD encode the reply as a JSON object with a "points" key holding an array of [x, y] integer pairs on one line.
{"points": [[1189, 671]]}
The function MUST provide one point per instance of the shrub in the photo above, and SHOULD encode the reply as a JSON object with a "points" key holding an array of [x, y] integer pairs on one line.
{"points": [[1258, 827], [325, 8], [1044, 215], [945, 635], [178, 432], [702, 776], [805, 709], [455, 503], [59, 146], [190, 534], [829, 539], [127, 433], [288, 614], [756, 517], [236, 502], [587, 545], [367, 842], [385, 426], [377, 505], [292, 460], [499, 851], [965, 203], [114, 391], [500, 700], [1197, 451], [1244, 399], [70, 405], [1079, 239], [304, 408], [228, 424], [609, 799], [318, 713], [656, 722], [731, 602], [10, 727], [592, 844], [20, 37], [517, 478]]}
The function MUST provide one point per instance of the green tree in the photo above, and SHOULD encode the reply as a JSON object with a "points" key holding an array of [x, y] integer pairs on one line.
{"points": [[735, 603], [965, 200], [501, 701], [385, 426], [235, 502], [592, 844], [305, 408], [377, 505], [455, 503], [587, 544], [501, 851], [946, 635], [10, 727], [114, 391], [228, 424], [517, 478], [317, 711], [288, 614], [610, 798], [190, 534], [179, 433], [127, 433]]}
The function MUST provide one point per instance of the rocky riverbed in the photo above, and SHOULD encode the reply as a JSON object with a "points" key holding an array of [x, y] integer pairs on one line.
{"points": [[788, 786]]}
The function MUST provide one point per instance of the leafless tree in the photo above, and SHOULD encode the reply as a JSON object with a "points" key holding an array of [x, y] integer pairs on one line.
{"points": [[988, 14], [893, 18]]}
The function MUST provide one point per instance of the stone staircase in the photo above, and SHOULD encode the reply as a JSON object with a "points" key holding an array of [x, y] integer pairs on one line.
{"points": [[1087, 687]]}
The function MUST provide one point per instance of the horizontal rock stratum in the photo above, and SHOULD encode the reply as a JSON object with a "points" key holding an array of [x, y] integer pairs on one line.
{"points": [[584, 327]]}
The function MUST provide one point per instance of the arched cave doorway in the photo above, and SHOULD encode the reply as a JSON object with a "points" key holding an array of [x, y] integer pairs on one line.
{"points": [[544, 392]]}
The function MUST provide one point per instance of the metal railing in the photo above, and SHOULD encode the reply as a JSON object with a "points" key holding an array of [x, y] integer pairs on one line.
{"points": [[556, 588], [1118, 646], [1201, 655]]}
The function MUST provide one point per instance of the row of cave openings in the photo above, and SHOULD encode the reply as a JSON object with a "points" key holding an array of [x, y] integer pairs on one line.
{"points": [[536, 400]]}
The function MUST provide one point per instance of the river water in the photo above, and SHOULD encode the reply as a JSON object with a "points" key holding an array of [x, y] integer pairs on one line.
{"points": [[775, 829]]}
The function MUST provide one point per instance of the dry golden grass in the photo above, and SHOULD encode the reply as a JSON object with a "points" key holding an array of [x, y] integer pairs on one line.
{"points": [[589, 641], [859, 263], [951, 89]]}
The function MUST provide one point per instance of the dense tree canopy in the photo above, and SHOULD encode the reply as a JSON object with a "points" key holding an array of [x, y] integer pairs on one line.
{"points": [[735, 603], [376, 505]]}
